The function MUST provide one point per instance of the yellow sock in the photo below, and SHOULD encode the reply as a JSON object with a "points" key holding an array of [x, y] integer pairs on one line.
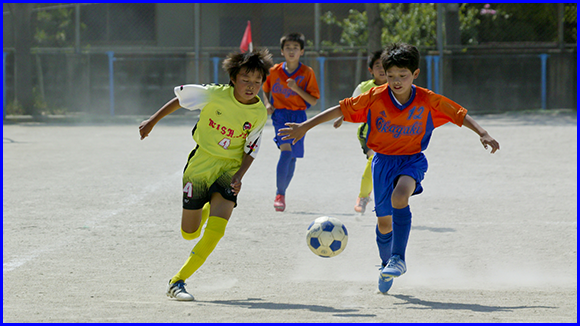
{"points": [[366, 183], [215, 230], [204, 216]]}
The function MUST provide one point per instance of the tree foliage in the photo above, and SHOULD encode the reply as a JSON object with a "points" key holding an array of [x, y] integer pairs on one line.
{"points": [[53, 27], [416, 23]]}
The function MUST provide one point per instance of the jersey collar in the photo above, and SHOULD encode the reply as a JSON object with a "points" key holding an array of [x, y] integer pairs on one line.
{"points": [[294, 72], [396, 102]]}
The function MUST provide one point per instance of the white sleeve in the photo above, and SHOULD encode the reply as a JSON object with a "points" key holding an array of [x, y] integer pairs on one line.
{"points": [[192, 97], [357, 91], [253, 141]]}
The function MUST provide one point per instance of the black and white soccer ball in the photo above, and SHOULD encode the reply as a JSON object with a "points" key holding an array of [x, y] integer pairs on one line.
{"points": [[326, 236]]}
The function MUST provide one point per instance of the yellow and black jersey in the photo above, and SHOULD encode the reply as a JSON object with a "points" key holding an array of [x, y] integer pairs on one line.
{"points": [[226, 127]]}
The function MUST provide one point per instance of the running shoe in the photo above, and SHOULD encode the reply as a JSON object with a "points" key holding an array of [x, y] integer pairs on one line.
{"points": [[177, 290], [279, 203], [361, 204], [395, 267], [385, 282]]}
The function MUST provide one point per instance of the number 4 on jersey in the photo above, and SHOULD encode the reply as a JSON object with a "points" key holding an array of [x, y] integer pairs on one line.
{"points": [[225, 143], [188, 189]]}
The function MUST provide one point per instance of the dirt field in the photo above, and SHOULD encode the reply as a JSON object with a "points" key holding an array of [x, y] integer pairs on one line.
{"points": [[92, 214]]}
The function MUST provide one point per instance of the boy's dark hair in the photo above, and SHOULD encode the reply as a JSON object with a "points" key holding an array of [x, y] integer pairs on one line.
{"points": [[373, 57], [296, 37], [258, 60], [402, 55]]}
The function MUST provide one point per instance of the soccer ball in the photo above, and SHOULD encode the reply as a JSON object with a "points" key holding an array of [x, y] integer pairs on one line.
{"points": [[326, 236]]}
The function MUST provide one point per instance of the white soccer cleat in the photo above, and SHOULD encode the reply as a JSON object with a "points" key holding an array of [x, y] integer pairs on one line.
{"points": [[177, 291]]}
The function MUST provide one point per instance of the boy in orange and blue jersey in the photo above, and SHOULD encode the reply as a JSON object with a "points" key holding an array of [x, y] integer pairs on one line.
{"points": [[289, 90], [401, 118]]}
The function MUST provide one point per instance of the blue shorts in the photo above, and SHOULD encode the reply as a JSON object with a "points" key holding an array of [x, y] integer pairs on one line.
{"points": [[279, 119], [387, 169]]}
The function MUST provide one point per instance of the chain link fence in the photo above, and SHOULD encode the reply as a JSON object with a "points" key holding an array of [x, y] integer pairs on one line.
{"points": [[125, 58]]}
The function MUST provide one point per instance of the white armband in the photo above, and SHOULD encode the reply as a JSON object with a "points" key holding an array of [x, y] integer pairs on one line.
{"points": [[192, 97]]}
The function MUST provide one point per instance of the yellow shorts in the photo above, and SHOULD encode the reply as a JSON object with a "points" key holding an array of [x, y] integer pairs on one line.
{"points": [[205, 174]]}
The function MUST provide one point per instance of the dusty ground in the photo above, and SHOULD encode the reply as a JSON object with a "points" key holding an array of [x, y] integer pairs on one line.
{"points": [[91, 229]]}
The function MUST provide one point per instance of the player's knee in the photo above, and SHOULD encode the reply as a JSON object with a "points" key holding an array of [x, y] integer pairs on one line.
{"points": [[385, 224], [385, 229], [400, 199]]}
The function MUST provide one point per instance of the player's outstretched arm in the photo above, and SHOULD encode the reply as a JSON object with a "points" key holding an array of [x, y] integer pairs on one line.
{"points": [[338, 122], [297, 130], [484, 137], [147, 125]]}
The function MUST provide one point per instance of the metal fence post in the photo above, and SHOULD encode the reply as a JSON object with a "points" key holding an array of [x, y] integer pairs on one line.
{"points": [[216, 61], [429, 59], [321, 61], [436, 59], [111, 55], [197, 37], [544, 58], [4, 86]]}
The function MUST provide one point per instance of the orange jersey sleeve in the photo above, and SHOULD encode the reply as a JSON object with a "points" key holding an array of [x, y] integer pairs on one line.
{"points": [[282, 97], [396, 129]]}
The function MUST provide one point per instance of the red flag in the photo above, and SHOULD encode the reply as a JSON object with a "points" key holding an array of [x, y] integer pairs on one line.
{"points": [[247, 40]]}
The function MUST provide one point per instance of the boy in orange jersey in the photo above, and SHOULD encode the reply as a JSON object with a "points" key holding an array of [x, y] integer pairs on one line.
{"points": [[401, 118], [289, 90]]}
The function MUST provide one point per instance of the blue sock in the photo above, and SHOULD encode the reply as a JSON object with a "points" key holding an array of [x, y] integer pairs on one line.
{"points": [[401, 230], [385, 245], [290, 174], [282, 172]]}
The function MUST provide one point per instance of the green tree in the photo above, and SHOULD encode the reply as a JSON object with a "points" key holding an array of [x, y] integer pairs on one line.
{"points": [[51, 28], [520, 22], [570, 23], [414, 23], [55, 27]]}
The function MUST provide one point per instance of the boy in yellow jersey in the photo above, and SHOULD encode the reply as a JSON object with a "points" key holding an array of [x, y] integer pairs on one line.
{"points": [[289, 90], [228, 136], [379, 78]]}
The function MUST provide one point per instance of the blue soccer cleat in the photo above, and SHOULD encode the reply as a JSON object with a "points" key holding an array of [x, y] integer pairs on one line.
{"points": [[385, 283], [395, 267]]}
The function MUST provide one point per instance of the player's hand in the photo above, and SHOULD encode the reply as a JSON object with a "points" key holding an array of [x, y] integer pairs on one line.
{"points": [[488, 140], [270, 108], [292, 84], [338, 122], [292, 131], [145, 128], [236, 184]]}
